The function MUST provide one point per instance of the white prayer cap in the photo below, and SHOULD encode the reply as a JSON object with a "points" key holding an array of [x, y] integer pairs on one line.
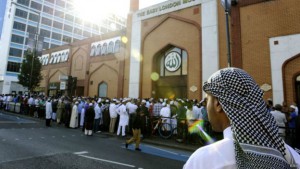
{"points": [[165, 99], [106, 100], [172, 102], [99, 100], [143, 101], [164, 103], [91, 104], [161, 100], [124, 100], [76, 102], [293, 107]]}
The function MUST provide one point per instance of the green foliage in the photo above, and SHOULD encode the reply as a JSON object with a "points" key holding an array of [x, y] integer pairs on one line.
{"points": [[25, 75]]}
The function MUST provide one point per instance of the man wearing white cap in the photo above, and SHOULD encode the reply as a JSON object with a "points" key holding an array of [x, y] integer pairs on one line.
{"points": [[165, 113], [89, 120], [48, 112], [98, 116], [121, 110], [113, 116]]}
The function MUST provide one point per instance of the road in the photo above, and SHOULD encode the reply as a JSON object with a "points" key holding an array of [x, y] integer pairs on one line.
{"points": [[26, 143]]}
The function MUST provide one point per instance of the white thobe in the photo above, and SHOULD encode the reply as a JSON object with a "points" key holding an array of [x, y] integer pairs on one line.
{"points": [[74, 117], [82, 117], [165, 112], [124, 118], [48, 110], [280, 121], [113, 110]]}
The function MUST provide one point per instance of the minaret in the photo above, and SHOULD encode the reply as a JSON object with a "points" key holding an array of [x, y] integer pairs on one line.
{"points": [[134, 6]]}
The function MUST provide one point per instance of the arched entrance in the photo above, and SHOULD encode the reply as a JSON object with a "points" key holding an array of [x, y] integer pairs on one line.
{"points": [[171, 66], [297, 87]]}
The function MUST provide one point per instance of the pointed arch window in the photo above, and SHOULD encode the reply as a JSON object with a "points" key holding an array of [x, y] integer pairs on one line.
{"points": [[102, 89]]}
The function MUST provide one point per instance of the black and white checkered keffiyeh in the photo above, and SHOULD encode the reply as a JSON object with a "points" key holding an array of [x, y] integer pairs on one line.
{"points": [[257, 143]]}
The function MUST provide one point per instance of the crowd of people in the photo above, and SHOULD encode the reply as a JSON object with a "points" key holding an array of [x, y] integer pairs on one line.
{"points": [[112, 115]]}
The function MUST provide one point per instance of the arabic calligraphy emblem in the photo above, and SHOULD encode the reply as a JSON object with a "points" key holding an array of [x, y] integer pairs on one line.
{"points": [[173, 61]]}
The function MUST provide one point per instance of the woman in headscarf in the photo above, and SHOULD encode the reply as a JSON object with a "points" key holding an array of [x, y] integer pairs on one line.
{"points": [[235, 106]]}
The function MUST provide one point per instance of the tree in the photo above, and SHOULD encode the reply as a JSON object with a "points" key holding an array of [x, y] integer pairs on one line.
{"points": [[26, 72]]}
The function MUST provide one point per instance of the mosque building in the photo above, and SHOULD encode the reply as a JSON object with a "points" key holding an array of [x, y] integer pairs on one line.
{"points": [[170, 49]]}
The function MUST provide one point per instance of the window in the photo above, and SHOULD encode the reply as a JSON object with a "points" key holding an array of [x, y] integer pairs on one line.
{"points": [[117, 46], [45, 45], [68, 28], [15, 52], [31, 29], [45, 33], [17, 39], [98, 49], [56, 36], [60, 3], [103, 30], [23, 2], [59, 14], [51, 1], [104, 49], [78, 21], [13, 67], [57, 25], [110, 48], [74, 39], [19, 26], [96, 27], [67, 39], [46, 21], [21, 13], [53, 45], [69, 17], [102, 89], [70, 7], [78, 31], [48, 10], [86, 34], [87, 24], [36, 5], [33, 17]]}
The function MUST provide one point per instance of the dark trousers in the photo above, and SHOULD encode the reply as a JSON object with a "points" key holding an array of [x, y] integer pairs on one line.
{"points": [[48, 122]]}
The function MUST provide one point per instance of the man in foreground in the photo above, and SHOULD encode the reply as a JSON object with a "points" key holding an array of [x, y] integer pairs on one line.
{"points": [[235, 106]]}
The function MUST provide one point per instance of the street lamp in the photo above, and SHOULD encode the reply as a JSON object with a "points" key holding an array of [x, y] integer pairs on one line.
{"points": [[227, 5], [35, 36]]}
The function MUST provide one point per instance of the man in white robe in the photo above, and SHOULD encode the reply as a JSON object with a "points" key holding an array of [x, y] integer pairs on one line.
{"points": [[48, 112], [74, 116], [124, 118]]}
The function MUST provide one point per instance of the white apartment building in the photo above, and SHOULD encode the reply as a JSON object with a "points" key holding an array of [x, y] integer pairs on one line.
{"points": [[55, 23]]}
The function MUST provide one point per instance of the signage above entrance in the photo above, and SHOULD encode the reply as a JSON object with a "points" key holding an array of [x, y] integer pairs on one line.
{"points": [[172, 61], [166, 7]]}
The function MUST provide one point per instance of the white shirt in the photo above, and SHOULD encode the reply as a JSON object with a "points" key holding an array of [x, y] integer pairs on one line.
{"points": [[97, 112], [279, 118], [221, 155], [113, 110], [132, 108], [197, 112]]}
